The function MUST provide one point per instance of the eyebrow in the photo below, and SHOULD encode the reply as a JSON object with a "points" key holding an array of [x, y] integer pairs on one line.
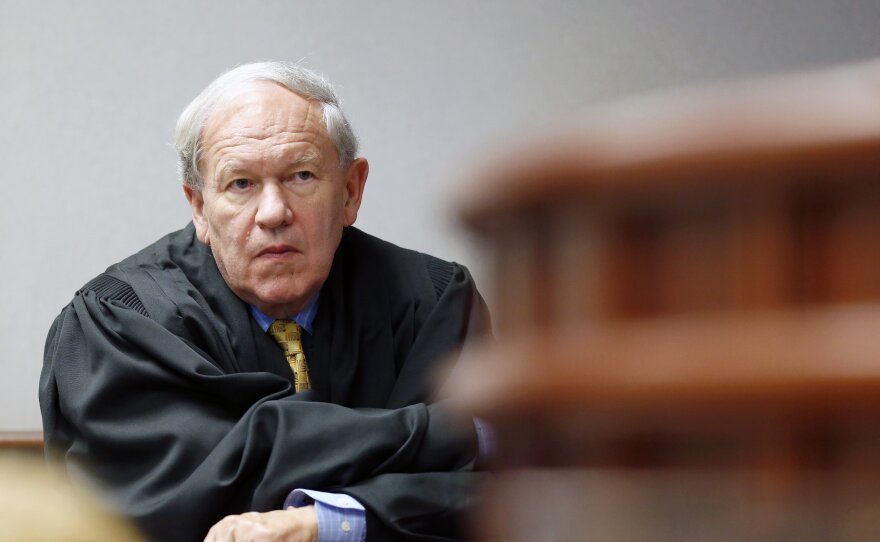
{"points": [[309, 156]]}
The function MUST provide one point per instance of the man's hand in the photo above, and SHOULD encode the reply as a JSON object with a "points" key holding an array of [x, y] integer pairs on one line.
{"points": [[291, 525]]}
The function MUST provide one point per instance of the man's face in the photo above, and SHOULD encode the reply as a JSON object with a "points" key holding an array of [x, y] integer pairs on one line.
{"points": [[274, 200]]}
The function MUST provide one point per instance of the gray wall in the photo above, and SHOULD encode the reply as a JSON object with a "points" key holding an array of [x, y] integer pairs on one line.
{"points": [[89, 92]]}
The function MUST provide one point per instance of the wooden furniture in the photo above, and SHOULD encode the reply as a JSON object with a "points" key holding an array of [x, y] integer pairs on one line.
{"points": [[688, 318], [26, 442]]}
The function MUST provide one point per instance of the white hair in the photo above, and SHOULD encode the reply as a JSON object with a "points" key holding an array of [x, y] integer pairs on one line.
{"points": [[302, 81]]}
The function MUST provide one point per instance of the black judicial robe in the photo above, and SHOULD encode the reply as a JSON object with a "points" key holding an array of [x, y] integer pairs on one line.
{"points": [[158, 383]]}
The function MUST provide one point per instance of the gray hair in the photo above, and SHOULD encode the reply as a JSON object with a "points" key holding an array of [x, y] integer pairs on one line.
{"points": [[302, 81]]}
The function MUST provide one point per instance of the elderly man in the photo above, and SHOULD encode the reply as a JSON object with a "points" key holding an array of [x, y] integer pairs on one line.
{"points": [[267, 360]]}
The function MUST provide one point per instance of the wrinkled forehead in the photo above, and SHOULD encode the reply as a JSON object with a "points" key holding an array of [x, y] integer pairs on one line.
{"points": [[260, 108]]}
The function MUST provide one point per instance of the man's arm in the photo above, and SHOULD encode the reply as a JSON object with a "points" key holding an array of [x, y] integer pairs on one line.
{"points": [[178, 444], [421, 506]]}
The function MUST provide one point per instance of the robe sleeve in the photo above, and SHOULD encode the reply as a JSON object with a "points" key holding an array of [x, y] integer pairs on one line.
{"points": [[177, 443], [429, 506]]}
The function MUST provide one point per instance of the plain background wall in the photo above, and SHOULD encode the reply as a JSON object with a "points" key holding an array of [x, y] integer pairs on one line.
{"points": [[89, 93]]}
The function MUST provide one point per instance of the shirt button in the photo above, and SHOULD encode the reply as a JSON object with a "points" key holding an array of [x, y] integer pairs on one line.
{"points": [[346, 526]]}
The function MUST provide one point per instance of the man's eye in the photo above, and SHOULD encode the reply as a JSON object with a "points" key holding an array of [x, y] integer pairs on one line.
{"points": [[303, 176], [240, 184]]}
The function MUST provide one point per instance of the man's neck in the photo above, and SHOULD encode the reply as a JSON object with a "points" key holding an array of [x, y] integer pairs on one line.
{"points": [[304, 318]]}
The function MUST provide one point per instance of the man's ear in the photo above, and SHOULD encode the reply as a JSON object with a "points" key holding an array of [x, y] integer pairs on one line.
{"points": [[197, 205], [355, 179]]}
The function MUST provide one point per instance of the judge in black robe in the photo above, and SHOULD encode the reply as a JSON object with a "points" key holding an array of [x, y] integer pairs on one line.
{"points": [[159, 382]]}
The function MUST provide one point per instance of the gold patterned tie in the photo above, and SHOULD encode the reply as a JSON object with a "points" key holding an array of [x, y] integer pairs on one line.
{"points": [[289, 336]]}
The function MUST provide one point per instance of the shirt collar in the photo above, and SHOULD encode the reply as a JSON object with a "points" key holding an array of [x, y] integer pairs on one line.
{"points": [[304, 318]]}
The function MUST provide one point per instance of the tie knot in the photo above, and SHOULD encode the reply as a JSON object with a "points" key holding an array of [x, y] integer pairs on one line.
{"points": [[285, 331]]}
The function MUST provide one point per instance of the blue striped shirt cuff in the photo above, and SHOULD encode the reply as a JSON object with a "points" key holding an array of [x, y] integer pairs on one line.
{"points": [[341, 518]]}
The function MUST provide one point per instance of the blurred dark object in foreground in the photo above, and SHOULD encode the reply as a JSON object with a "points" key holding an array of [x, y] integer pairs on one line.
{"points": [[688, 311]]}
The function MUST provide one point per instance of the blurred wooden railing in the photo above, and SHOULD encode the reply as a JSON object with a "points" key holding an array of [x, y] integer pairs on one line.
{"points": [[688, 319]]}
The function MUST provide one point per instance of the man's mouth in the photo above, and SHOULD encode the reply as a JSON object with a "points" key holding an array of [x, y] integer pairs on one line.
{"points": [[277, 251]]}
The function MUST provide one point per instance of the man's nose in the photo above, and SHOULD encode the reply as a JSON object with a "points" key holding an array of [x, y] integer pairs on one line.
{"points": [[274, 208]]}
